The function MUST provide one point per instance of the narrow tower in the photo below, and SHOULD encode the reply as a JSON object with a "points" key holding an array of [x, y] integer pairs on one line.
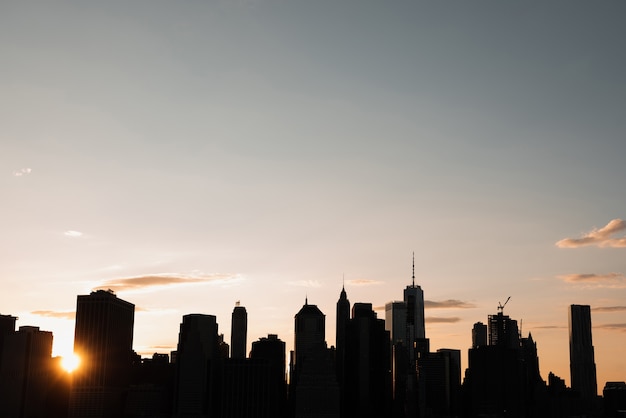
{"points": [[581, 357], [414, 299], [238, 332]]}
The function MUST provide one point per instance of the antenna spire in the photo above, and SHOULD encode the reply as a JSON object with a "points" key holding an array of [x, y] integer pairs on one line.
{"points": [[413, 268]]}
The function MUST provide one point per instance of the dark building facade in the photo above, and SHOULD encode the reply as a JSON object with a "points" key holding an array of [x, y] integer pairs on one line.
{"points": [[103, 341], [581, 354], [271, 351], [238, 332], [367, 365], [313, 388], [197, 367], [25, 373]]}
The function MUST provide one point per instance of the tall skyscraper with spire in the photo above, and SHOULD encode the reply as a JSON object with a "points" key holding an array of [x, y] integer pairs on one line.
{"points": [[238, 332], [581, 355], [343, 316], [414, 299]]}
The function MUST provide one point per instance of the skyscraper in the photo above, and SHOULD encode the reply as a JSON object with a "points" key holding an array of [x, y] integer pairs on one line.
{"points": [[343, 316], [395, 321], [414, 299], [503, 331], [196, 358], [313, 384], [238, 332], [479, 335], [25, 373], [368, 369], [103, 340], [581, 357], [310, 330]]}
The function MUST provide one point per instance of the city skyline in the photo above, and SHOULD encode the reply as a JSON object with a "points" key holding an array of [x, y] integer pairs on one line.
{"points": [[190, 156]]}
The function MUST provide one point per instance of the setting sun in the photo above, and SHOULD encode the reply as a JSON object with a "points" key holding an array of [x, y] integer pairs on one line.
{"points": [[70, 362]]}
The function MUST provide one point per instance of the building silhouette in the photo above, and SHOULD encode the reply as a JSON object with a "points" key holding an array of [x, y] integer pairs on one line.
{"points": [[197, 367], [271, 350], [7, 326], [103, 340], [25, 373], [404, 320], [440, 378], [343, 316], [502, 378], [581, 355], [238, 332], [414, 299], [395, 321], [313, 387], [479, 335], [367, 366]]}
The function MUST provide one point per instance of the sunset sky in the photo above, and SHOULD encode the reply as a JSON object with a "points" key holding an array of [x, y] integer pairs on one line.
{"points": [[192, 154]]}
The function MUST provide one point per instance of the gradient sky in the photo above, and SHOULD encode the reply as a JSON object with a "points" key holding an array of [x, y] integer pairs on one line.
{"points": [[192, 154]]}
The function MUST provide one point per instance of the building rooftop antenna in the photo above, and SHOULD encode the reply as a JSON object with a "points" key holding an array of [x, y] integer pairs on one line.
{"points": [[413, 268]]}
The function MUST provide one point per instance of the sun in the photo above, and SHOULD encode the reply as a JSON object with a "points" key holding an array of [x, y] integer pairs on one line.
{"points": [[70, 362]]}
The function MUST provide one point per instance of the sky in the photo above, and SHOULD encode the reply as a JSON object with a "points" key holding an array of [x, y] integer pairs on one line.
{"points": [[189, 155]]}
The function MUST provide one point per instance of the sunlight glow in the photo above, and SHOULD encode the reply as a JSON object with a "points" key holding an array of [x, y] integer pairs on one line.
{"points": [[70, 362]]}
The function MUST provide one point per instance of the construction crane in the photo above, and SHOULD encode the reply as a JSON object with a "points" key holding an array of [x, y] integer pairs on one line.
{"points": [[501, 306]]}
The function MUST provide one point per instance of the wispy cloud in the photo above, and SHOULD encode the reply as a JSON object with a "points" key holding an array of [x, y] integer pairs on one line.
{"points": [[56, 314], [612, 327], [165, 279], [22, 172], [364, 282], [548, 327], [612, 280], [602, 237], [378, 308], [609, 309], [441, 320], [448, 304], [73, 234]]}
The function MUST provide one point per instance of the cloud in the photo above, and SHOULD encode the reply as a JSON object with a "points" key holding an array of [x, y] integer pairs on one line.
{"points": [[73, 234], [305, 283], [22, 172], [378, 308], [364, 282], [611, 280], [600, 237], [163, 280], [56, 314], [609, 309], [446, 304], [613, 327], [441, 320], [548, 327]]}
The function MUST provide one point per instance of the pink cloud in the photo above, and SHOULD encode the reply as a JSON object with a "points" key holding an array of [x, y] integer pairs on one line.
{"points": [[612, 280], [602, 237], [56, 314]]}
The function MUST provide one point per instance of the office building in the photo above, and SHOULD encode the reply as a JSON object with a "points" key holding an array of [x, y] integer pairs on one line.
{"points": [[238, 332], [25, 373], [395, 321], [503, 331], [197, 367], [581, 354], [479, 335], [368, 383], [343, 316], [314, 391], [103, 340]]}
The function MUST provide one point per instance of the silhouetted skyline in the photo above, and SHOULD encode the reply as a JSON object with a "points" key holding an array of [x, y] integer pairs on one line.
{"points": [[191, 155]]}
